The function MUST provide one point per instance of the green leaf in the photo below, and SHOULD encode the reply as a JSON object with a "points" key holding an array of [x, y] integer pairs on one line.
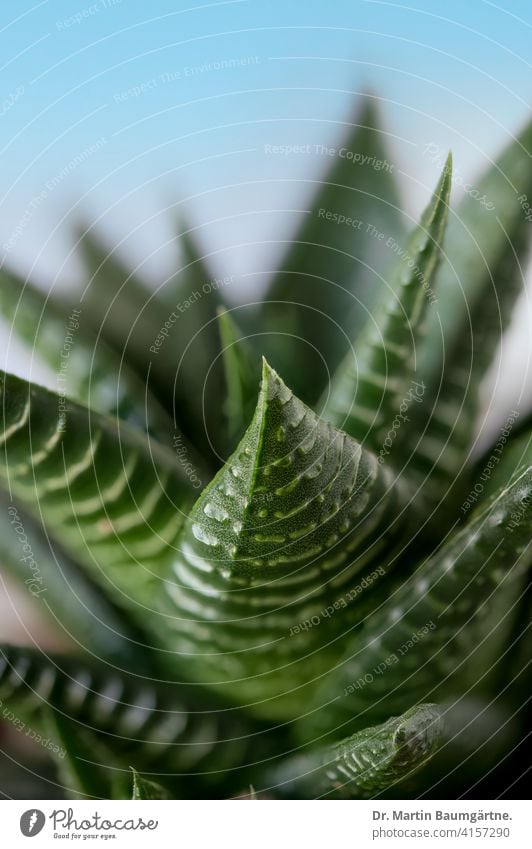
{"points": [[86, 368], [194, 343], [371, 761], [370, 386], [242, 375], [74, 604], [193, 272], [417, 644], [478, 285], [78, 758], [114, 499], [331, 271], [172, 346], [478, 242], [147, 790], [504, 462], [510, 453], [119, 306], [159, 729], [288, 528]]}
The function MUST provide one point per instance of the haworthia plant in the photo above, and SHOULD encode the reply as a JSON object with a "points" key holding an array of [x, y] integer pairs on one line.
{"points": [[169, 734], [410, 646], [368, 763], [285, 618], [299, 514]]}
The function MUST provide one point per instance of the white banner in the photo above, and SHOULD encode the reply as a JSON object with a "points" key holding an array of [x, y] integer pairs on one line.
{"points": [[235, 825]]}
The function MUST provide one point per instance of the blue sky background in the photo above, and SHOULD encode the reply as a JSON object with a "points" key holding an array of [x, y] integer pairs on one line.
{"points": [[126, 96]]}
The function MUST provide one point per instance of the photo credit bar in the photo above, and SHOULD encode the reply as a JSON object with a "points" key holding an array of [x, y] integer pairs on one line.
{"points": [[313, 824]]}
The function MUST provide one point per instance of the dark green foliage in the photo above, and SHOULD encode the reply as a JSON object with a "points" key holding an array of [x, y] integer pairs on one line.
{"points": [[283, 619], [367, 763]]}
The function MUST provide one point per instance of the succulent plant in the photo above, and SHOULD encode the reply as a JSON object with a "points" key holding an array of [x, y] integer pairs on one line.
{"points": [[278, 557]]}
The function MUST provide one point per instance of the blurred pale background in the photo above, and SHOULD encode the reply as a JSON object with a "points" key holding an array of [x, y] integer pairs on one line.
{"points": [[123, 111]]}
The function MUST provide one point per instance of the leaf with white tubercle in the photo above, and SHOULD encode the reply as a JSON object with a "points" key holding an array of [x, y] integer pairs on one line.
{"points": [[507, 456], [296, 517], [364, 765], [487, 243], [159, 728], [368, 386], [442, 430], [418, 642], [113, 498]]}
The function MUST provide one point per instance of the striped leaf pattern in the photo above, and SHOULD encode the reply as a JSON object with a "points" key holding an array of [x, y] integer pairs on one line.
{"points": [[287, 624], [162, 731], [296, 516], [114, 499], [369, 386], [416, 645], [364, 765]]}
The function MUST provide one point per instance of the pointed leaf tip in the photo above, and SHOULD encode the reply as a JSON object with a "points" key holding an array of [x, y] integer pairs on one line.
{"points": [[296, 514], [368, 762], [442, 192]]}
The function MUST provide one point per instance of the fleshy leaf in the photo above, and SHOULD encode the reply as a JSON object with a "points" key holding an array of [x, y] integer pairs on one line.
{"points": [[510, 453], [73, 602], [118, 305], [172, 347], [371, 384], [147, 790], [372, 760], [157, 728], [478, 285], [242, 374], [327, 279], [419, 642], [296, 518], [479, 237], [88, 370], [194, 340], [114, 499], [78, 758]]}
